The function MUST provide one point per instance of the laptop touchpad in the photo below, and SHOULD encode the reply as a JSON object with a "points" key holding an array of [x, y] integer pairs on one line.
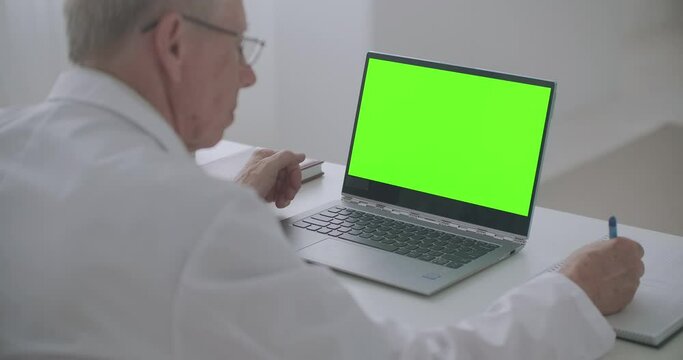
{"points": [[379, 265]]}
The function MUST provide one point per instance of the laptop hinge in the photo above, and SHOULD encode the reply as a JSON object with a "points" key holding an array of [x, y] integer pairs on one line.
{"points": [[434, 219]]}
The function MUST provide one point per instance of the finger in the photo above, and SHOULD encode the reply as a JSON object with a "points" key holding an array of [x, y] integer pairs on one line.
{"points": [[288, 194], [281, 187], [641, 269], [288, 190], [274, 166], [279, 163], [639, 249], [284, 159], [263, 152], [293, 166], [294, 179], [291, 184], [285, 202], [282, 203], [275, 190], [258, 155], [633, 247]]}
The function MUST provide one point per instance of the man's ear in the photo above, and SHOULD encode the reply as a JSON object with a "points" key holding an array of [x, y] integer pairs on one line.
{"points": [[169, 46]]}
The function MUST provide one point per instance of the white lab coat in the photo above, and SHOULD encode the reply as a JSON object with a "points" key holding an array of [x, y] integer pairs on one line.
{"points": [[115, 245]]}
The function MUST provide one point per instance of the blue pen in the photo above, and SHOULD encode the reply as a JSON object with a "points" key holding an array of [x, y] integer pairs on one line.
{"points": [[612, 227]]}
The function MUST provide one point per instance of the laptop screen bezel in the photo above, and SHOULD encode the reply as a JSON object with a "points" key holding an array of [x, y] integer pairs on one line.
{"points": [[436, 205]]}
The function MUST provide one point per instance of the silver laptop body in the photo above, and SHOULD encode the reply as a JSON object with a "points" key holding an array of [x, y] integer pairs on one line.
{"points": [[333, 234]]}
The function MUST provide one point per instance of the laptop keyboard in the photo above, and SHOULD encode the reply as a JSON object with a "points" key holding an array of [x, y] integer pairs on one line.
{"points": [[396, 236]]}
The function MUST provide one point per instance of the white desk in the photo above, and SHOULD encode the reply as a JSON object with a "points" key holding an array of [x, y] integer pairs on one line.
{"points": [[554, 235]]}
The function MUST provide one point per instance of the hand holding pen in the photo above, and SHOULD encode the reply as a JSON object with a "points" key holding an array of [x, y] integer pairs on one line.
{"points": [[608, 271]]}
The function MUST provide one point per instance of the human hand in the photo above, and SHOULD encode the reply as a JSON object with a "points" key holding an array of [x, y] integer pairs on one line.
{"points": [[275, 176], [608, 271]]}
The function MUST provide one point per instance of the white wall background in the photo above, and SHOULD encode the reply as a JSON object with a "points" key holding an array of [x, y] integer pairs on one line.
{"points": [[255, 116], [320, 50], [617, 62], [32, 49]]}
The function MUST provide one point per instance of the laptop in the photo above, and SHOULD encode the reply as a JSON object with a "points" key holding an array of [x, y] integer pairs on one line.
{"points": [[440, 179]]}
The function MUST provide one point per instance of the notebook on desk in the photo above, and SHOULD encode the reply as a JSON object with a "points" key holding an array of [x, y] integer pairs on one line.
{"points": [[440, 179]]}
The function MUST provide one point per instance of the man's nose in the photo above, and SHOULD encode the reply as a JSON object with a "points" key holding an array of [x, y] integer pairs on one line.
{"points": [[247, 76]]}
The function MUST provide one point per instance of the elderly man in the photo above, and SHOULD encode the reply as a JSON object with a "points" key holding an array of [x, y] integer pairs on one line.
{"points": [[115, 245]]}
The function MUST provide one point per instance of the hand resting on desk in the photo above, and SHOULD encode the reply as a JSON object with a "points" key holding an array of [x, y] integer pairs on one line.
{"points": [[275, 176], [608, 271]]}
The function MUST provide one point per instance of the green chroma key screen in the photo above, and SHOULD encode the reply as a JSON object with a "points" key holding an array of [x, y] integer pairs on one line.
{"points": [[464, 137]]}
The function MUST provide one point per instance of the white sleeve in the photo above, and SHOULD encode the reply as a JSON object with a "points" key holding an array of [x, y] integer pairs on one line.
{"points": [[549, 317], [244, 294]]}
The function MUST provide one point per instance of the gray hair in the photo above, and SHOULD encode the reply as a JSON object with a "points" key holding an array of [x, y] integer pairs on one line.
{"points": [[95, 27]]}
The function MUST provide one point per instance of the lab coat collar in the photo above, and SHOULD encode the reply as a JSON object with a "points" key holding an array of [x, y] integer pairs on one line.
{"points": [[106, 92]]}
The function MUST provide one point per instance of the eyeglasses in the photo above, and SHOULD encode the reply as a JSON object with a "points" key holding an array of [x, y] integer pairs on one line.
{"points": [[249, 48]]}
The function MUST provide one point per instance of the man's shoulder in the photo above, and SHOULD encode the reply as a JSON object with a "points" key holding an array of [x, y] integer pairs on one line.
{"points": [[18, 126], [70, 121], [70, 147], [13, 114]]}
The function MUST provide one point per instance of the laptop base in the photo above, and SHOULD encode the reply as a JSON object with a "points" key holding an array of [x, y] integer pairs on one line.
{"points": [[403, 272]]}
